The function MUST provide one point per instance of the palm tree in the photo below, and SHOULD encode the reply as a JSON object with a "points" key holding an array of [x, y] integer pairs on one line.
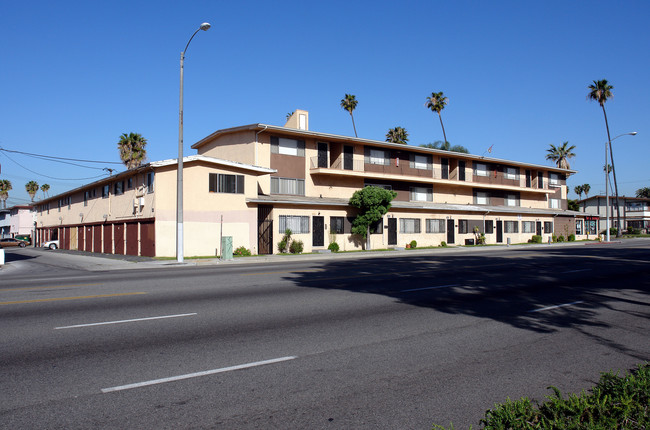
{"points": [[397, 135], [32, 188], [561, 154], [579, 190], [601, 91], [132, 149], [437, 103], [445, 146], [45, 188], [5, 187], [349, 103], [585, 189], [643, 192]]}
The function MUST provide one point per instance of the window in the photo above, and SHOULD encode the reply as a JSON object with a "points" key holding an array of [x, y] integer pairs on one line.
{"points": [[421, 162], [280, 145], [548, 227], [480, 169], [444, 168], [377, 156], [463, 226], [337, 224], [529, 179], [554, 203], [150, 179], [511, 226], [435, 225], [290, 186], [489, 226], [105, 191], [578, 226], [528, 226], [409, 225], [591, 226], [297, 224], [482, 198], [220, 183], [421, 194], [540, 180], [461, 170], [511, 173], [129, 184], [118, 188], [553, 179], [511, 200], [86, 197], [384, 186]]}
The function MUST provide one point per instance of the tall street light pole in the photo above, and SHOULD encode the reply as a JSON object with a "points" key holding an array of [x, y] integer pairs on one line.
{"points": [[608, 144], [179, 181]]}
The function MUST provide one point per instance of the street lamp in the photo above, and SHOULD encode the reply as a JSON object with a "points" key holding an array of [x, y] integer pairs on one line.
{"points": [[179, 182], [618, 218]]}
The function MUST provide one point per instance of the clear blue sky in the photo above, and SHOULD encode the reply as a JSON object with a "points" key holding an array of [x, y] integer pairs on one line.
{"points": [[75, 75]]}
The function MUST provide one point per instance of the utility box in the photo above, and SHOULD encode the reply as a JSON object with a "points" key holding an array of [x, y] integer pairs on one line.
{"points": [[226, 248], [469, 241]]}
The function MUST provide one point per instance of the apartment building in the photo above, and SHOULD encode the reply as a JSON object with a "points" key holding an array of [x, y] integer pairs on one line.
{"points": [[253, 182], [635, 211]]}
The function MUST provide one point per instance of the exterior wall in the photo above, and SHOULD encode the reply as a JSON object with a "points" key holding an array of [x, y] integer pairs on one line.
{"points": [[22, 221], [238, 146], [5, 223]]}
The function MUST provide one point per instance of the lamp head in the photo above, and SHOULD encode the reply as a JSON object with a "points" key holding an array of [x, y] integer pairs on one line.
{"points": [[633, 133], [205, 26]]}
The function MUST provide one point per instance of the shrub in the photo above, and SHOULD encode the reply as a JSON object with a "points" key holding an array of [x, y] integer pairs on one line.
{"points": [[296, 247], [413, 244], [334, 247], [443, 244], [613, 231], [242, 251], [282, 246], [560, 238], [536, 238], [554, 238], [572, 237]]}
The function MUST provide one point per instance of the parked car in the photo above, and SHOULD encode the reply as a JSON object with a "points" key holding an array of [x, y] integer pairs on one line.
{"points": [[25, 238], [7, 242], [52, 244]]}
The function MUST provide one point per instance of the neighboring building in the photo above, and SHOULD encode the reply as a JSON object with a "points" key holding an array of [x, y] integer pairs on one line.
{"points": [[22, 220], [635, 211], [5, 223], [253, 182]]}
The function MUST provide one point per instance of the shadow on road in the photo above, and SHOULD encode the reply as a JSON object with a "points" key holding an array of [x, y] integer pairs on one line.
{"points": [[516, 287]]}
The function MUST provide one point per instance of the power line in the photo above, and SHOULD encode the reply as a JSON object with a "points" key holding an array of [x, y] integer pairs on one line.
{"points": [[50, 177], [59, 158]]}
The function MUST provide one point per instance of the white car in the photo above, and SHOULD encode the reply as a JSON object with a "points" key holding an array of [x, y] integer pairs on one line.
{"points": [[52, 244]]}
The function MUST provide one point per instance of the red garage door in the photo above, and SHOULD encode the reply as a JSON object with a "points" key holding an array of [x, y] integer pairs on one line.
{"points": [[148, 239], [108, 239], [132, 239], [80, 238], [97, 238], [89, 239], [119, 238]]}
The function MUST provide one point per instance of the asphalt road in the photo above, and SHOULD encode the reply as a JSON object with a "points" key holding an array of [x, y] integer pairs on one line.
{"points": [[393, 341]]}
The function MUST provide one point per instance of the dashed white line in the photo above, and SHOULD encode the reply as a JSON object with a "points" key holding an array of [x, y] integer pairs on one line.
{"points": [[429, 288], [196, 375], [556, 306], [578, 270], [125, 321]]}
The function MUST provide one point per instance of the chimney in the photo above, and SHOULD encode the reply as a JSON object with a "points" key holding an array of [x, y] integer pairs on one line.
{"points": [[299, 119]]}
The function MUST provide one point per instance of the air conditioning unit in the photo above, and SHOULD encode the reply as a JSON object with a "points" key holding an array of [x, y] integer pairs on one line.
{"points": [[138, 202]]}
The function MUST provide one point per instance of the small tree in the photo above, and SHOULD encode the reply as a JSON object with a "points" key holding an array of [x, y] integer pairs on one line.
{"points": [[374, 203]]}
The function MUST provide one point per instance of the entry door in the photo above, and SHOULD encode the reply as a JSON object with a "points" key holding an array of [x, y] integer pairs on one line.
{"points": [[322, 154], [450, 231], [499, 231], [348, 158], [318, 236], [539, 228], [392, 231], [265, 229]]}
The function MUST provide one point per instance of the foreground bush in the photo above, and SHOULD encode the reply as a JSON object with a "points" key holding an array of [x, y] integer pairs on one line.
{"points": [[334, 247], [536, 239], [614, 403], [242, 251]]}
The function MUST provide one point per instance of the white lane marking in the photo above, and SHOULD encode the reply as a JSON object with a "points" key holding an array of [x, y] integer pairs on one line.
{"points": [[126, 321], [556, 306], [578, 270], [429, 288], [196, 375]]}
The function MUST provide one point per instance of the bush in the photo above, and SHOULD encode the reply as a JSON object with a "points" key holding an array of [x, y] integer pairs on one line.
{"points": [[536, 239], [560, 238], [572, 237], [242, 251], [554, 238], [443, 244], [334, 247], [282, 246], [413, 244], [296, 247], [613, 231]]}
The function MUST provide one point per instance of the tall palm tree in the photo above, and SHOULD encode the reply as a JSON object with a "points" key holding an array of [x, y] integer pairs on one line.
{"points": [[45, 188], [578, 189], [32, 188], [397, 135], [585, 189], [132, 149], [349, 103], [437, 103], [561, 154], [5, 187], [601, 91]]}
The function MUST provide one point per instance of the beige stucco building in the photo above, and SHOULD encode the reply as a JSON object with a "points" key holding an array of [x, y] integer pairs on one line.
{"points": [[254, 181]]}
